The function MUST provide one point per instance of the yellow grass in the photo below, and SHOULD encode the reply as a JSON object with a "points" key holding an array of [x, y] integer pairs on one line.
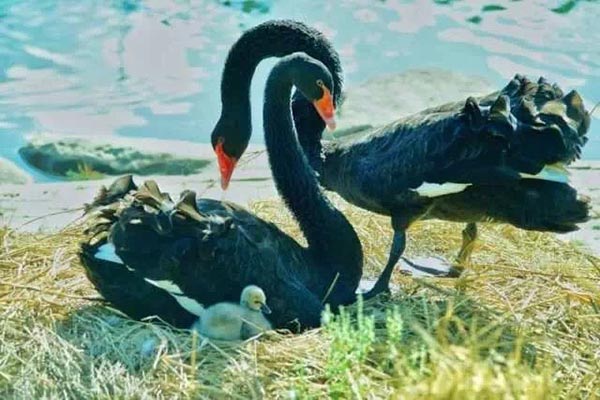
{"points": [[521, 323]]}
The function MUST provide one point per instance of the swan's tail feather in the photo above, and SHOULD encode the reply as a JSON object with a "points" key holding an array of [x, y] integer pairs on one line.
{"points": [[147, 222], [544, 206], [116, 191], [106, 207], [150, 195], [551, 127], [534, 129], [187, 206]]}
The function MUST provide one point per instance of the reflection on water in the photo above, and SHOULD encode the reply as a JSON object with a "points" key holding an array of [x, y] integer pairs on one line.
{"points": [[152, 67], [249, 6]]}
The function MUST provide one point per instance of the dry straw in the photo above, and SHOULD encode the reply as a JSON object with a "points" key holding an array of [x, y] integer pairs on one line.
{"points": [[522, 322]]}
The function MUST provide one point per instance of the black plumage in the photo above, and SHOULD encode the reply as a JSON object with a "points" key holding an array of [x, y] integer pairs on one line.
{"points": [[170, 256], [486, 148], [504, 158]]}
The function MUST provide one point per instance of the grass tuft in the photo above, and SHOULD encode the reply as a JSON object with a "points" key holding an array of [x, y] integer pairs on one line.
{"points": [[84, 172]]}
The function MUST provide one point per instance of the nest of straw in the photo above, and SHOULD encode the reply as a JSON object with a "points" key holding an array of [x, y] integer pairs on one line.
{"points": [[522, 322]]}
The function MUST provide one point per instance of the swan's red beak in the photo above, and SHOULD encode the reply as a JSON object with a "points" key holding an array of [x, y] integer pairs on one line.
{"points": [[326, 109], [226, 164]]}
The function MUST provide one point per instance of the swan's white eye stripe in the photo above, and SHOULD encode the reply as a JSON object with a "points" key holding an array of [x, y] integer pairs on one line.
{"points": [[169, 286]]}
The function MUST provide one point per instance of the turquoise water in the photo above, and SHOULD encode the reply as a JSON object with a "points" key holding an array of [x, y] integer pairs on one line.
{"points": [[151, 68]]}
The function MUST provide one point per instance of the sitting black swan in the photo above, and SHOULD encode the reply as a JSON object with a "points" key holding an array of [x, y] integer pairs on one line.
{"points": [[148, 255], [501, 159]]}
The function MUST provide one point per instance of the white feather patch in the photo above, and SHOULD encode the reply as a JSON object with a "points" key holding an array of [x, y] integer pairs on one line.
{"points": [[190, 305], [436, 189], [169, 286], [107, 252], [552, 172]]}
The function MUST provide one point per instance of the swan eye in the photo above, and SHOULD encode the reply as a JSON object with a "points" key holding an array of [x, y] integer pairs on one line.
{"points": [[320, 83]]}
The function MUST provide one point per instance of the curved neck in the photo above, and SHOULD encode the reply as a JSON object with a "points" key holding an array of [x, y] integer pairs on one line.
{"points": [[278, 39], [273, 39], [331, 239]]}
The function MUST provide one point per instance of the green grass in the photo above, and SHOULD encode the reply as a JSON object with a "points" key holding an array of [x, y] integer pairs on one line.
{"points": [[521, 323], [84, 173]]}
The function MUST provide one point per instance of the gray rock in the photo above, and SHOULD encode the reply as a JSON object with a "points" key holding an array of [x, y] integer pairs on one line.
{"points": [[50, 206], [81, 158], [11, 173], [386, 98]]}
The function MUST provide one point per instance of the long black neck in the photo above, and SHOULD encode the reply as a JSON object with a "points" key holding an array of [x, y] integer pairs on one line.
{"points": [[278, 39], [331, 239]]}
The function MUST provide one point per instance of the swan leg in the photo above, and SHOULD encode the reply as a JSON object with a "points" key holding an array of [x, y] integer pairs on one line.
{"points": [[398, 246], [383, 282], [469, 237]]}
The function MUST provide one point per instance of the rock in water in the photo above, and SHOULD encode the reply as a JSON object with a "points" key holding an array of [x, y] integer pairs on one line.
{"points": [[71, 157]]}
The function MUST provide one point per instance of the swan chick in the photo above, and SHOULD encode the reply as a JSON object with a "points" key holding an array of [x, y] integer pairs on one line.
{"points": [[229, 321]]}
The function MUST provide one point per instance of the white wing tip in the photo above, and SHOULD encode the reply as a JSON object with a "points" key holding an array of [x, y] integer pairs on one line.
{"points": [[440, 189], [552, 172]]}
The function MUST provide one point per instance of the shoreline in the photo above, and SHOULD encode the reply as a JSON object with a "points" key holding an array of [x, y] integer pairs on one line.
{"points": [[29, 204], [50, 206]]}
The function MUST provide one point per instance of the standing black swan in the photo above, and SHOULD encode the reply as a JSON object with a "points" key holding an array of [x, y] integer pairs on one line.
{"points": [[150, 256], [502, 159]]}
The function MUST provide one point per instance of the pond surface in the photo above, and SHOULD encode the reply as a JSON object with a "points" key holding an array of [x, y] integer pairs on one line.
{"points": [[151, 68]]}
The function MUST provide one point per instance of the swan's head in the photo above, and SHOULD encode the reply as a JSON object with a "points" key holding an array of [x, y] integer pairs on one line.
{"points": [[314, 81], [254, 298], [230, 139]]}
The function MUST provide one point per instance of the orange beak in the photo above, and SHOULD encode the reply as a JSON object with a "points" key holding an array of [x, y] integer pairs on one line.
{"points": [[326, 109], [226, 164]]}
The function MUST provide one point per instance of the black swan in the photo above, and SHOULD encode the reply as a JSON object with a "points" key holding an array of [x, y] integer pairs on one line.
{"points": [[275, 38], [500, 159], [148, 255]]}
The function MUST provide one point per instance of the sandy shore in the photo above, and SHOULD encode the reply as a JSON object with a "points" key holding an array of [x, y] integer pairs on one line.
{"points": [[51, 206]]}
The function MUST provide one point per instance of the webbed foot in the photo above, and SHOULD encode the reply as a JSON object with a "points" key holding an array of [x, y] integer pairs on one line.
{"points": [[429, 266]]}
